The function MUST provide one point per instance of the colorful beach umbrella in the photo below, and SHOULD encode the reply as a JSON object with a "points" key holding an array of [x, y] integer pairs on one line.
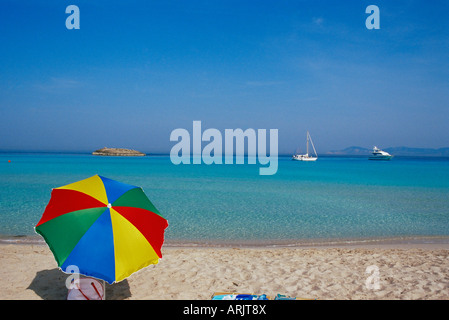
{"points": [[107, 229]]}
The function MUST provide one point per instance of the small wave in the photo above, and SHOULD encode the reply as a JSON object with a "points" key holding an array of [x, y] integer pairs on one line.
{"points": [[21, 239]]}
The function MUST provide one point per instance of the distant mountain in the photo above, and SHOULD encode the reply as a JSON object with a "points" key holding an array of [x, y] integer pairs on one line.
{"points": [[425, 152], [396, 151]]}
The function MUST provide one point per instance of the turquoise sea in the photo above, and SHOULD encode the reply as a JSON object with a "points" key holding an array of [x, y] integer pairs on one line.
{"points": [[333, 199]]}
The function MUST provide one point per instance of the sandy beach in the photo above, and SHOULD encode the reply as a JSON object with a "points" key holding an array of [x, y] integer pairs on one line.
{"points": [[29, 271]]}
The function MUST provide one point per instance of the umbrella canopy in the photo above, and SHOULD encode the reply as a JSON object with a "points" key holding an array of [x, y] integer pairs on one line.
{"points": [[106, 228]]}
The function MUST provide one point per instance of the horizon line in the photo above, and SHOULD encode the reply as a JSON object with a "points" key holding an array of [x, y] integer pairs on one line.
{"points": [[327, 155]]}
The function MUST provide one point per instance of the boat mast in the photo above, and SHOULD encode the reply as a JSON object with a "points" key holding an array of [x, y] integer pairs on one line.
{"points": [[309, 137], [307, 143]]}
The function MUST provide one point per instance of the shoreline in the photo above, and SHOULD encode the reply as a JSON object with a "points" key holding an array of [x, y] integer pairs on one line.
{"points": [[421, 242]]}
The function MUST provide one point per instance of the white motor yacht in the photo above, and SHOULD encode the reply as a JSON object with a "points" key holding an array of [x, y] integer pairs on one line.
{"points": [[380, 155]]}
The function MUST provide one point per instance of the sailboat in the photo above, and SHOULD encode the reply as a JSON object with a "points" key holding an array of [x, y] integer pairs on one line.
{"points": [[306, 157]]}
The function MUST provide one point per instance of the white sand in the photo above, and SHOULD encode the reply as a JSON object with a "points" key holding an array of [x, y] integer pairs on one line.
{"points": [[30, 272]]}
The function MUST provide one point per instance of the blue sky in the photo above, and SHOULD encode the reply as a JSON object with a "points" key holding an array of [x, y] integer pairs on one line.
{"points": [[136, 70]]}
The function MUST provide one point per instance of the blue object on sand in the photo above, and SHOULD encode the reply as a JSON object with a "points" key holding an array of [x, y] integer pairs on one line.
{"points": [[245, 297], [283, 297]]}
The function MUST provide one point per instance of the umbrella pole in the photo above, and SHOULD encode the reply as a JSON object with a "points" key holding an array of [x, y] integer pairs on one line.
{"points": [[104, 290]]}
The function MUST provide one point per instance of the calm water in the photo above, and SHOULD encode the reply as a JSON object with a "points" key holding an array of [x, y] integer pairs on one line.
{"points": [[331, 199]]}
